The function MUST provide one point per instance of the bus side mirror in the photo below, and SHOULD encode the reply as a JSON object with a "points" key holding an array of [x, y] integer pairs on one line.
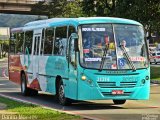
{"points": [[75, 37]]}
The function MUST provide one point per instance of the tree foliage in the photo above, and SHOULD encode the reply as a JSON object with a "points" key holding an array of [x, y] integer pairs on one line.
{"points": [[72, 9], [98, 7], [59, 8], [52, 8], [4, 47]]}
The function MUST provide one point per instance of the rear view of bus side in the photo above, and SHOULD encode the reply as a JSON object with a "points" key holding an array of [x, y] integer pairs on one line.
{"points": [[97, 58]]}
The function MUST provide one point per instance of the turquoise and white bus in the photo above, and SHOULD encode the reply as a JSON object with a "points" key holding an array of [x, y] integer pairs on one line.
{"points": [[95, 58]]}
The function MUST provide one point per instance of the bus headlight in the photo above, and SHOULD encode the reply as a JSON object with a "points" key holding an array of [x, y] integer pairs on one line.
{"points": [[83, 77]]}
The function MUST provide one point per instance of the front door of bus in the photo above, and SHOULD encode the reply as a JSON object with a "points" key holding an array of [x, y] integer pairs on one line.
{"points": [[72, 71], [35, 58]]}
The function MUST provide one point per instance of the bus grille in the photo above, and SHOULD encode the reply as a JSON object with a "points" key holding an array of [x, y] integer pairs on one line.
{"points": [[128, 84], [106, 84], [109, 94], [113, 84]]}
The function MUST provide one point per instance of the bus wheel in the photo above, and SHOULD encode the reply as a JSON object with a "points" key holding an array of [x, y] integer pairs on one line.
{"points": [[119, 102], [24, 90], [61, 95], [33, 92]]}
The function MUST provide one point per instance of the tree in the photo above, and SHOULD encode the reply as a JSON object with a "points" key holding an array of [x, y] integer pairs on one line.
{"points": [[53, 8], [59, 8], [72, 9], [98, 7], [4, 48]]}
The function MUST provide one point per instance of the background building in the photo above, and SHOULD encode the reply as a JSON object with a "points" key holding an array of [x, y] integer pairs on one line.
{"points": [[4, 33]]}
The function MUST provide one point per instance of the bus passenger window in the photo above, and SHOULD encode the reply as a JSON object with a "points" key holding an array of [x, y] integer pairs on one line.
{"points": [[60, 41], [36, 45], [12, 43], [19, 43], [48, 43], [28, 42]]}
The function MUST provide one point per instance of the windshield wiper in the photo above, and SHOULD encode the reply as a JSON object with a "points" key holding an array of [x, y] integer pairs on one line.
{"points": [[125, 53], [103, 57]]}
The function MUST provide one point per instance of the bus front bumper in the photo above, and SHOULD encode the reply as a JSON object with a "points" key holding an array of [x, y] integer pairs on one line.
{"points": [[96, 93]]}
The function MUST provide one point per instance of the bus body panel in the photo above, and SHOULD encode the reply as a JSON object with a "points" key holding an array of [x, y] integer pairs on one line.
{"points": [[49, 68], [15, 68], [58, 66]]}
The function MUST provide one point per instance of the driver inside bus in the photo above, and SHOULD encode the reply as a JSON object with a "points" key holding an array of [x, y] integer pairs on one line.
{"points": [[123, 44], [121, 47]]}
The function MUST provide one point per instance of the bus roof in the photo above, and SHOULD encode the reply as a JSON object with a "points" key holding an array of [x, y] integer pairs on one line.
{"points": [[75, 22]]}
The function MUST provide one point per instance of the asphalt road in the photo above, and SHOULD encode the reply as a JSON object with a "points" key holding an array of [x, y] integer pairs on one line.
{"points": [[98, 110]]}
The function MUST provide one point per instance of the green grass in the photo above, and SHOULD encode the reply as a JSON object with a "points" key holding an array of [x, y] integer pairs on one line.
{"points": [[37, 112], [155, 73]]}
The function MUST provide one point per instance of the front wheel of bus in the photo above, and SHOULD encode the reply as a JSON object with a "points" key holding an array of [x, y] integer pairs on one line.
{"points": [[119, 102], [61, 95]]}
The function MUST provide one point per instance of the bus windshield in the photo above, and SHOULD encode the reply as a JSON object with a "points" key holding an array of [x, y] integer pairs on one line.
{"points": [[118, 46]]}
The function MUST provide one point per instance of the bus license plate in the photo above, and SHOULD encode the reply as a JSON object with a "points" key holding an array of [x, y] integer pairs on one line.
{"points": [[117, 92]]}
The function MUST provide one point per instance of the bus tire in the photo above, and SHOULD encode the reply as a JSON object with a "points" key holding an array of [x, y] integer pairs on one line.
{"points": [[24, 90], [119, 102], [61, 95], [33, 92]]}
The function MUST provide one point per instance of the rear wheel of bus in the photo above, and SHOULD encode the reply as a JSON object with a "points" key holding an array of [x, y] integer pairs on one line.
{"points": [[24, 90], [61, 95], [119, 102]]}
